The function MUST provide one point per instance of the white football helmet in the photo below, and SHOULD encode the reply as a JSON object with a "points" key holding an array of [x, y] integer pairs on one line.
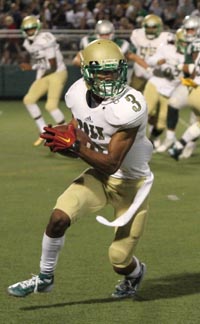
{"points": [[104, 68], [30, 22], [104, 29], [191, 27], [153, 26]]}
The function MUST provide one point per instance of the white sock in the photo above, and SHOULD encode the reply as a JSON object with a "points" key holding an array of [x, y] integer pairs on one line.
{"points": [[50, 253], [58, 116], [192, 132], [170, 134], [136, 271], [36, 114]]}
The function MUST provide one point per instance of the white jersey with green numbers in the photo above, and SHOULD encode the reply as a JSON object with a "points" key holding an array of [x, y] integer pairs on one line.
{"points": [[128, 110], [43, 48]]}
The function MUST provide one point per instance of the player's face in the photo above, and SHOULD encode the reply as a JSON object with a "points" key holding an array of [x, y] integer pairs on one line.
{"points": [[191, 31], [30, 31], [107, 75], [105, 36]]}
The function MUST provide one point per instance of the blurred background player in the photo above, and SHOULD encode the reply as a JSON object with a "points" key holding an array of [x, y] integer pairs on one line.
{"points": [[105, 29], [51, 73], [161, 85], [179, 98], [146, 41]]}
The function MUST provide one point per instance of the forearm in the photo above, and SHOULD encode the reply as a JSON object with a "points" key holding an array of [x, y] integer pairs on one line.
{"points": [[105, 163]]}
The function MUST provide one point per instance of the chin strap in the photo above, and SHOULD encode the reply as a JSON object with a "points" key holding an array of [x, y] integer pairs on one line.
{"points": [[138, 200]]}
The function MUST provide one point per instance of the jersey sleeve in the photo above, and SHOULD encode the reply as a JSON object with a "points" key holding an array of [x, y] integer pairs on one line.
{"points": [[129, 112]]}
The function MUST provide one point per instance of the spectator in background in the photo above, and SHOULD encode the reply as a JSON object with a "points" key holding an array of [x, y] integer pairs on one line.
{"points": [[169, 15], [11, 48], [155, 8], [134, 11], [185, 8]]}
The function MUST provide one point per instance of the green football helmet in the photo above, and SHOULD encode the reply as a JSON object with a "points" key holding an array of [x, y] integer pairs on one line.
{"points": [[104, 68], [30, 22], [153, 26]]}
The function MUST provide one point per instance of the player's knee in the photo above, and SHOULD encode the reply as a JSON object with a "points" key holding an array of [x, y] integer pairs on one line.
{"points": [[118, 257], [58, 223], [27, 100]]}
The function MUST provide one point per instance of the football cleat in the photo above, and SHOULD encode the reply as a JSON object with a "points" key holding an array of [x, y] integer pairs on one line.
{"points": [[176, 150], [38, 283], [38, 142], [165, 145], [188, 150], [127, 287]]}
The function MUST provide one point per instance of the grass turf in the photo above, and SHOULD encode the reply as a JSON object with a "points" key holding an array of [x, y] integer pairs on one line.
{"points": [[31, 180]]}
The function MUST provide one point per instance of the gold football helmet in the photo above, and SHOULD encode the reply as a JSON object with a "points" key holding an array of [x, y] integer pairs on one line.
{"points": [[104, 27], [104, 68], [30, 22], [191, 27], [153, 26], [180, 41]]}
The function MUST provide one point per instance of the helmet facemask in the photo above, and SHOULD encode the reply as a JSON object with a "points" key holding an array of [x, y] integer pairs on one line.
{"points": [[106, 80]]}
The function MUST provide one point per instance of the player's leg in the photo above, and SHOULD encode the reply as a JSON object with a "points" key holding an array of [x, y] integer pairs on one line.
{"points": [[37, 90], [84, 196], [152, 98], [122, 250], [160, 125], [177, 101], [56, 85], [192, 133], [137, 82]]}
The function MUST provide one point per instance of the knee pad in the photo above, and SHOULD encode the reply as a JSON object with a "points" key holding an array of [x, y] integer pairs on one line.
{"points": [[28, 100], [118, 257]]}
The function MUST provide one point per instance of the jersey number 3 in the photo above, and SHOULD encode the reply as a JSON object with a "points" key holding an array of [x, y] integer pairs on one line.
{"points": [[136, 105]]}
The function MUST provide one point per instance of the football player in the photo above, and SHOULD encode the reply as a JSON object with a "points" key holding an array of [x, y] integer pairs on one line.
{"points": [[159, 88], [146, 40], [51, 73], [179, 98], [114, 116]]}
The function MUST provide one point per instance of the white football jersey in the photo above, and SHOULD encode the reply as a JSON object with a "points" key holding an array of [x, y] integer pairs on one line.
{"points": [[128, 110], [43, 48], [146, 47], [166, 77]]}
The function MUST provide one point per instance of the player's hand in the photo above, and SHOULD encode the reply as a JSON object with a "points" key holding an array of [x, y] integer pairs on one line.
{"points": [[58, 140], [25, 66]]}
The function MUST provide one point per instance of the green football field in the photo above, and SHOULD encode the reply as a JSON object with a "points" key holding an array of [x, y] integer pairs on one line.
{"points": [[31, 180]]}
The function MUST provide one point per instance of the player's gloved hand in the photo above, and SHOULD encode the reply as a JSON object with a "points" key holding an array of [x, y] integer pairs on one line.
{"points": [[58, 140]]}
